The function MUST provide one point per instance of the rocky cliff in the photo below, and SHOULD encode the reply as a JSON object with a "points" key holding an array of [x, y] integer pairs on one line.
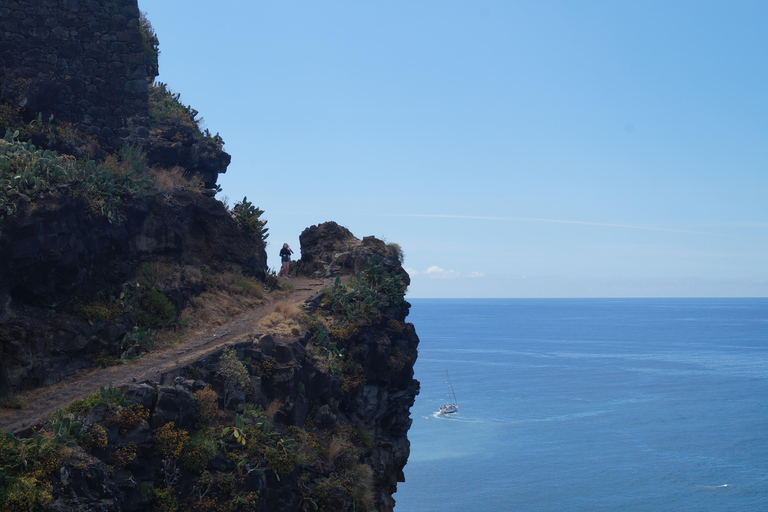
{"points": [[103, 245], [60, 264], [314, 420]]}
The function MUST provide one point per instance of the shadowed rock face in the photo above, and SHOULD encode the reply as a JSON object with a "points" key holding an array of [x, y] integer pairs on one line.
{"points": [[82, 61], [330, 250], [59, 253]]}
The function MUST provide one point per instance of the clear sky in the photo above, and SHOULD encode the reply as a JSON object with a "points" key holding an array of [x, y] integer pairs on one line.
{"points": [[512, 148]]}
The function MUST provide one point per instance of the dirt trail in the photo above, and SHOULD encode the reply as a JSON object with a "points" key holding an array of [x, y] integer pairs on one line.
{"points": [[41, 402]]}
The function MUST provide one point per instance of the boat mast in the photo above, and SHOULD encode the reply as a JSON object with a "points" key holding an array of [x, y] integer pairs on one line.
{"points": [[451, 387]]}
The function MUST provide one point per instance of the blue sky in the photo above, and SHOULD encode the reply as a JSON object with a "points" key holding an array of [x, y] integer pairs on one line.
{"points": [[513, 149]]}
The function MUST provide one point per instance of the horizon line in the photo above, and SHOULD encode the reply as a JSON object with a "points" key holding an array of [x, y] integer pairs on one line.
{"points": [[536, 219]]}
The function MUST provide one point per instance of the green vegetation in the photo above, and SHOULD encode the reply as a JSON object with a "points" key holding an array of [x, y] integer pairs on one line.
{"points": [[151, 45], [166, 112], [363, 296], [235, 375], [248, 218], [155, 310], [28, 173], [247, 438]]}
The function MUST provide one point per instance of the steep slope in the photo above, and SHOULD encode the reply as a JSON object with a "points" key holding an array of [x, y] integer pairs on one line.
{"points": [[308, 412]]}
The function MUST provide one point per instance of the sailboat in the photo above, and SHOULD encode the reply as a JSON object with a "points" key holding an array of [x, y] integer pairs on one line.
{"points": [[452, 406]]}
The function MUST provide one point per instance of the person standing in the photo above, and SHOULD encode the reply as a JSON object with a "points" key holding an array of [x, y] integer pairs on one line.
{"points": [[285, 258]]}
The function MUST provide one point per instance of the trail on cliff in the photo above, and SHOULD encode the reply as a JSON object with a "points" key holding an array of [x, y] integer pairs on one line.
{"points": [[43, 401]]}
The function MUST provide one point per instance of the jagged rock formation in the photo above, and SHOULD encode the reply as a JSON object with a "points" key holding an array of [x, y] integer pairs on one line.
{"points": [[59, 255], [330, 250]]}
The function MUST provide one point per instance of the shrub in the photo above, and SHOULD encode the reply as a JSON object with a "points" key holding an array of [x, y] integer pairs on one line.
{"points": [[27, 172], [170, 440], [12, 402], [344, 332], [247, 286], [395, 251], [166, 500], [128, 418], [150, 44], [155, 310], [282, 460], [206, 405], [97, 436], [26, 493], [135, 342], [175, 178], [124, 455], [166, 108], [197, 451], [99, 310], [394, 325], [370, 291], [248, 219], [234, 374]]}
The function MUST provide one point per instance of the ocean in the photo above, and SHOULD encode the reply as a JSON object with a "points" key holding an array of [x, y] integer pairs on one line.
{"points": [[641, 405]]}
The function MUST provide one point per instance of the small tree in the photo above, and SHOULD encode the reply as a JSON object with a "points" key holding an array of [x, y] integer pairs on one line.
{"points": [[248, 218], [234, 373]]}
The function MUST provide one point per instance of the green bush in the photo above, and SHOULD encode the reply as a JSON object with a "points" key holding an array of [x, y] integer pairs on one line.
{"points": [[370, 291], [25, 493], [98, 310], [197, 451], [395, 251], [155, 310], [248, 218], [235, 375]]}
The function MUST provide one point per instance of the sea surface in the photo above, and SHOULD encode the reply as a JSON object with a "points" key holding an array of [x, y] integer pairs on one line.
{"points": [[590, 405]]}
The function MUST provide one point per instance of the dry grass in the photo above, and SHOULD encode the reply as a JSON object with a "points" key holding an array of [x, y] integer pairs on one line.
{"points": [[169, 180], [232, 295], [273, 408], [338, 446], [283, 321]]}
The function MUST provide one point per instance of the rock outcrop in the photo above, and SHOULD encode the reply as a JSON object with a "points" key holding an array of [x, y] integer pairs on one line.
{"points": [[330, 250], [178, 146]]}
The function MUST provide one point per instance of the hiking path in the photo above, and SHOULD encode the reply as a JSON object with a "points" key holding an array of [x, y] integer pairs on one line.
{"points": [[41, 402]]}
